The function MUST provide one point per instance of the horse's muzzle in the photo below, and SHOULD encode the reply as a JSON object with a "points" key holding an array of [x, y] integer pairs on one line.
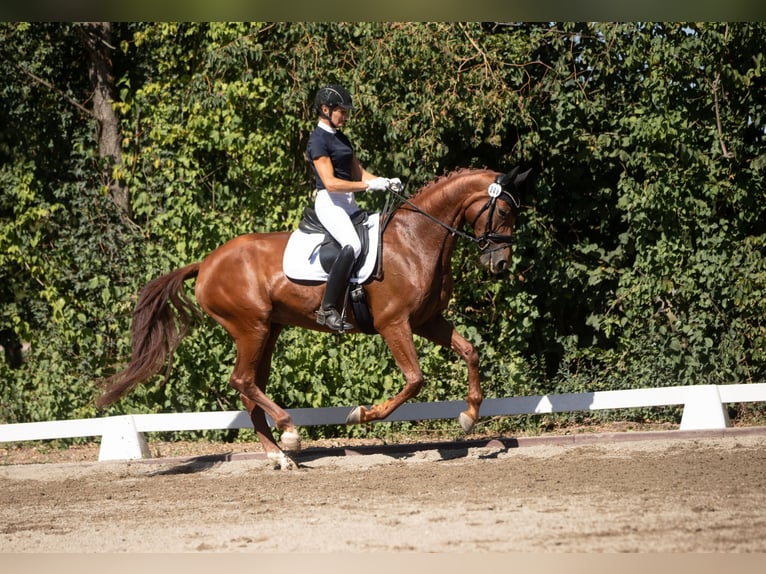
{"points": [[496, 259]]}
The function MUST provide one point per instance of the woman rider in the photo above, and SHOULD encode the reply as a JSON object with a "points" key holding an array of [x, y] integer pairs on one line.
{"points": [[339, 175]]}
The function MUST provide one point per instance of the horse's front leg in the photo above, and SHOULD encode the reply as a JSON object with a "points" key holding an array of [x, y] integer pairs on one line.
{"points": [[398, 337], [441, 332]]}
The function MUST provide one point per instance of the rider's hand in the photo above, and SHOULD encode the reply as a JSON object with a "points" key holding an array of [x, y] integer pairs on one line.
{"points": [[395, 184], [377, 184]]}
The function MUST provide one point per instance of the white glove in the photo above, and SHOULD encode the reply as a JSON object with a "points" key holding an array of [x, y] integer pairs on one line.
{"points": [[377, 184], [395, 183]]}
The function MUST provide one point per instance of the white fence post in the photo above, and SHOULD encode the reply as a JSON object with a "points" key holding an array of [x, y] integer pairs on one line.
{"points": [[121, 441], [704, 409]]}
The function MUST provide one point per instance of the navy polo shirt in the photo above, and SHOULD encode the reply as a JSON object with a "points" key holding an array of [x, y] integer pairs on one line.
{"points": [[336, 146]]}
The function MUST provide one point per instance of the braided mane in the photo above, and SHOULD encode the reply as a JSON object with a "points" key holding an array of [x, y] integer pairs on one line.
{"points": [[463, 171]]}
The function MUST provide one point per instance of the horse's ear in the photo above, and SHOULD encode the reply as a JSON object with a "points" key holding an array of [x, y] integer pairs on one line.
{"points": [[513, 179], [506, 179], [519, 180]]}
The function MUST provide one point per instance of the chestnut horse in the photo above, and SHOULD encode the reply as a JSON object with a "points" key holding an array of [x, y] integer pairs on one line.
{"points": [[243, 287]]}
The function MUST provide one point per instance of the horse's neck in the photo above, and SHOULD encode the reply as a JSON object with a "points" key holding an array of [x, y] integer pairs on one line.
{"points": [[447, 201]]}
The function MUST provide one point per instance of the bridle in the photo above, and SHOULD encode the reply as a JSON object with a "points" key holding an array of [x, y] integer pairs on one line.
{"points": [[495, 191]]}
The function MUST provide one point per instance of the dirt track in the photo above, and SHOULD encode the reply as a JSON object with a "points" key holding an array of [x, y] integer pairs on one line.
{"points": [[689, 495]]}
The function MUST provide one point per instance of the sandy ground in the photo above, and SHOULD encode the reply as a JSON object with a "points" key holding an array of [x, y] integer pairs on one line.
{"points": [[701, 494]]}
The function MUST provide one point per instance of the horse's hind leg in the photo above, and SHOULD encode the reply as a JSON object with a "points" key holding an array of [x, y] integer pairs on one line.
{"points": [[250, 376], [290, 437], [275, 454], [441, 332]]}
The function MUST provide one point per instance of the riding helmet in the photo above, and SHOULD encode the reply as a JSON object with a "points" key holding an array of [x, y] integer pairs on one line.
{"points": [[332, 96]]}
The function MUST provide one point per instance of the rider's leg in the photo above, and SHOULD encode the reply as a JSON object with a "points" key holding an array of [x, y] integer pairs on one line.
{"points": [[336, 220], [337, 282]]}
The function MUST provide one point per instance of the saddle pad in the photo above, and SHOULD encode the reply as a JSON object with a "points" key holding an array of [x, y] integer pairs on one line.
{"points": [[301, 258]]}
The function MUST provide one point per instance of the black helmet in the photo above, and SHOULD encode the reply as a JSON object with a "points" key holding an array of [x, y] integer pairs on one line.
{"points": [[332, 96]]}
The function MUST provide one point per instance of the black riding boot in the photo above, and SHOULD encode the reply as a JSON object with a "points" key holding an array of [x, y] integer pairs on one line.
{"points": [[337, 282]]}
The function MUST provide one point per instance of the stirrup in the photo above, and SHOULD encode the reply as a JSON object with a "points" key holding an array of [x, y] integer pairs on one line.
{"points": [[331, 318]]}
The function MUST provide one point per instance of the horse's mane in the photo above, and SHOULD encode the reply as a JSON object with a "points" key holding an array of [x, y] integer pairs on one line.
{"points": [[440, 180]]}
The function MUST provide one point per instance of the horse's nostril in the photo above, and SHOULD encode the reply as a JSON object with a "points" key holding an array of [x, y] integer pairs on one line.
{"points": [[501, 266]]}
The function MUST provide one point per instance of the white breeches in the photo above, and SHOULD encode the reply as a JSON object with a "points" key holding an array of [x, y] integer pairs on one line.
{"points": [[333, 210]]}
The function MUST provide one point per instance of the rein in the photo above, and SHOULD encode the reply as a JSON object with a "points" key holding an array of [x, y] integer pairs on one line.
{"points": [[495, 190]]}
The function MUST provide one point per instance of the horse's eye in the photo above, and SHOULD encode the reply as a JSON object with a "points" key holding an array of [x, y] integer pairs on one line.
{"points": [[503, 213]]}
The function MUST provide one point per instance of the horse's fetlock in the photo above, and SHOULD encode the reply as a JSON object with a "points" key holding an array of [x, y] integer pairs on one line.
{"points": [[291, 440]]}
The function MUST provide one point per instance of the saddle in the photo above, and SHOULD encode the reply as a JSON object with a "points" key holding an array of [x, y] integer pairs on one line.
{"points": [[329, 248]]}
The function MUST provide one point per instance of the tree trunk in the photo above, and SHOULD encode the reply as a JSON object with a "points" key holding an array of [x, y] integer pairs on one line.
{"points": [[12, 348], [97, 37]]}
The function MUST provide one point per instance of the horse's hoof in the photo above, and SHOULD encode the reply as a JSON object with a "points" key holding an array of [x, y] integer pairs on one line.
{"points": [[354, 417], [291, 440], [280, 461], [466, 422]]}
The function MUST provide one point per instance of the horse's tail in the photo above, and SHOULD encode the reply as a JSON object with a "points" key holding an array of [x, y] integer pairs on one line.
{"points": [[157, 331]]}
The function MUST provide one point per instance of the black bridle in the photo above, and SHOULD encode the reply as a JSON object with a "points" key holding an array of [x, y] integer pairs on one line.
{"points": [[495, 191]]}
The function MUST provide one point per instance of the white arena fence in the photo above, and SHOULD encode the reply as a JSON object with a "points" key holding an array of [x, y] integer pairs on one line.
{"points": [[122, 437]]}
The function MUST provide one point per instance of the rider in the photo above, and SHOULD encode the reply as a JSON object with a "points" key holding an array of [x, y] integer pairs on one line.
{"points": [[338, 176]]}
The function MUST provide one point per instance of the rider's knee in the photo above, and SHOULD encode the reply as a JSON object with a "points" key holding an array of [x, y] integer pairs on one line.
{"points": [[356, 246]]}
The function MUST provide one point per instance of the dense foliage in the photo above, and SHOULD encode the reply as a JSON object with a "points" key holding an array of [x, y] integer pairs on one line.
{"points": [[639, 258]]}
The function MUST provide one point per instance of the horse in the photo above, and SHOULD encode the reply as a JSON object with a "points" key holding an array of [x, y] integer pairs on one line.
{"points": [[243, 287]]}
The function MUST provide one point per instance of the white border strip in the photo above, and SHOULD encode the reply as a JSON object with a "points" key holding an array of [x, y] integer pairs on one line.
{"points": [[122, 436]]}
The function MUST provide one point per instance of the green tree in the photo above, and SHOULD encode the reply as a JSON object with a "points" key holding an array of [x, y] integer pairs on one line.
{"points": [[639, 255], [63, 247]]}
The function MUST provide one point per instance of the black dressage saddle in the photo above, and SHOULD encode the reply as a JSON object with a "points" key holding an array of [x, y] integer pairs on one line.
{"points": [[329, 248]]}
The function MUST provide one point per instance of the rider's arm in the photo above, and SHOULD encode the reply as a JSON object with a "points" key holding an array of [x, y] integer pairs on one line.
{"points": [[326, 173], [357, 171]]}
